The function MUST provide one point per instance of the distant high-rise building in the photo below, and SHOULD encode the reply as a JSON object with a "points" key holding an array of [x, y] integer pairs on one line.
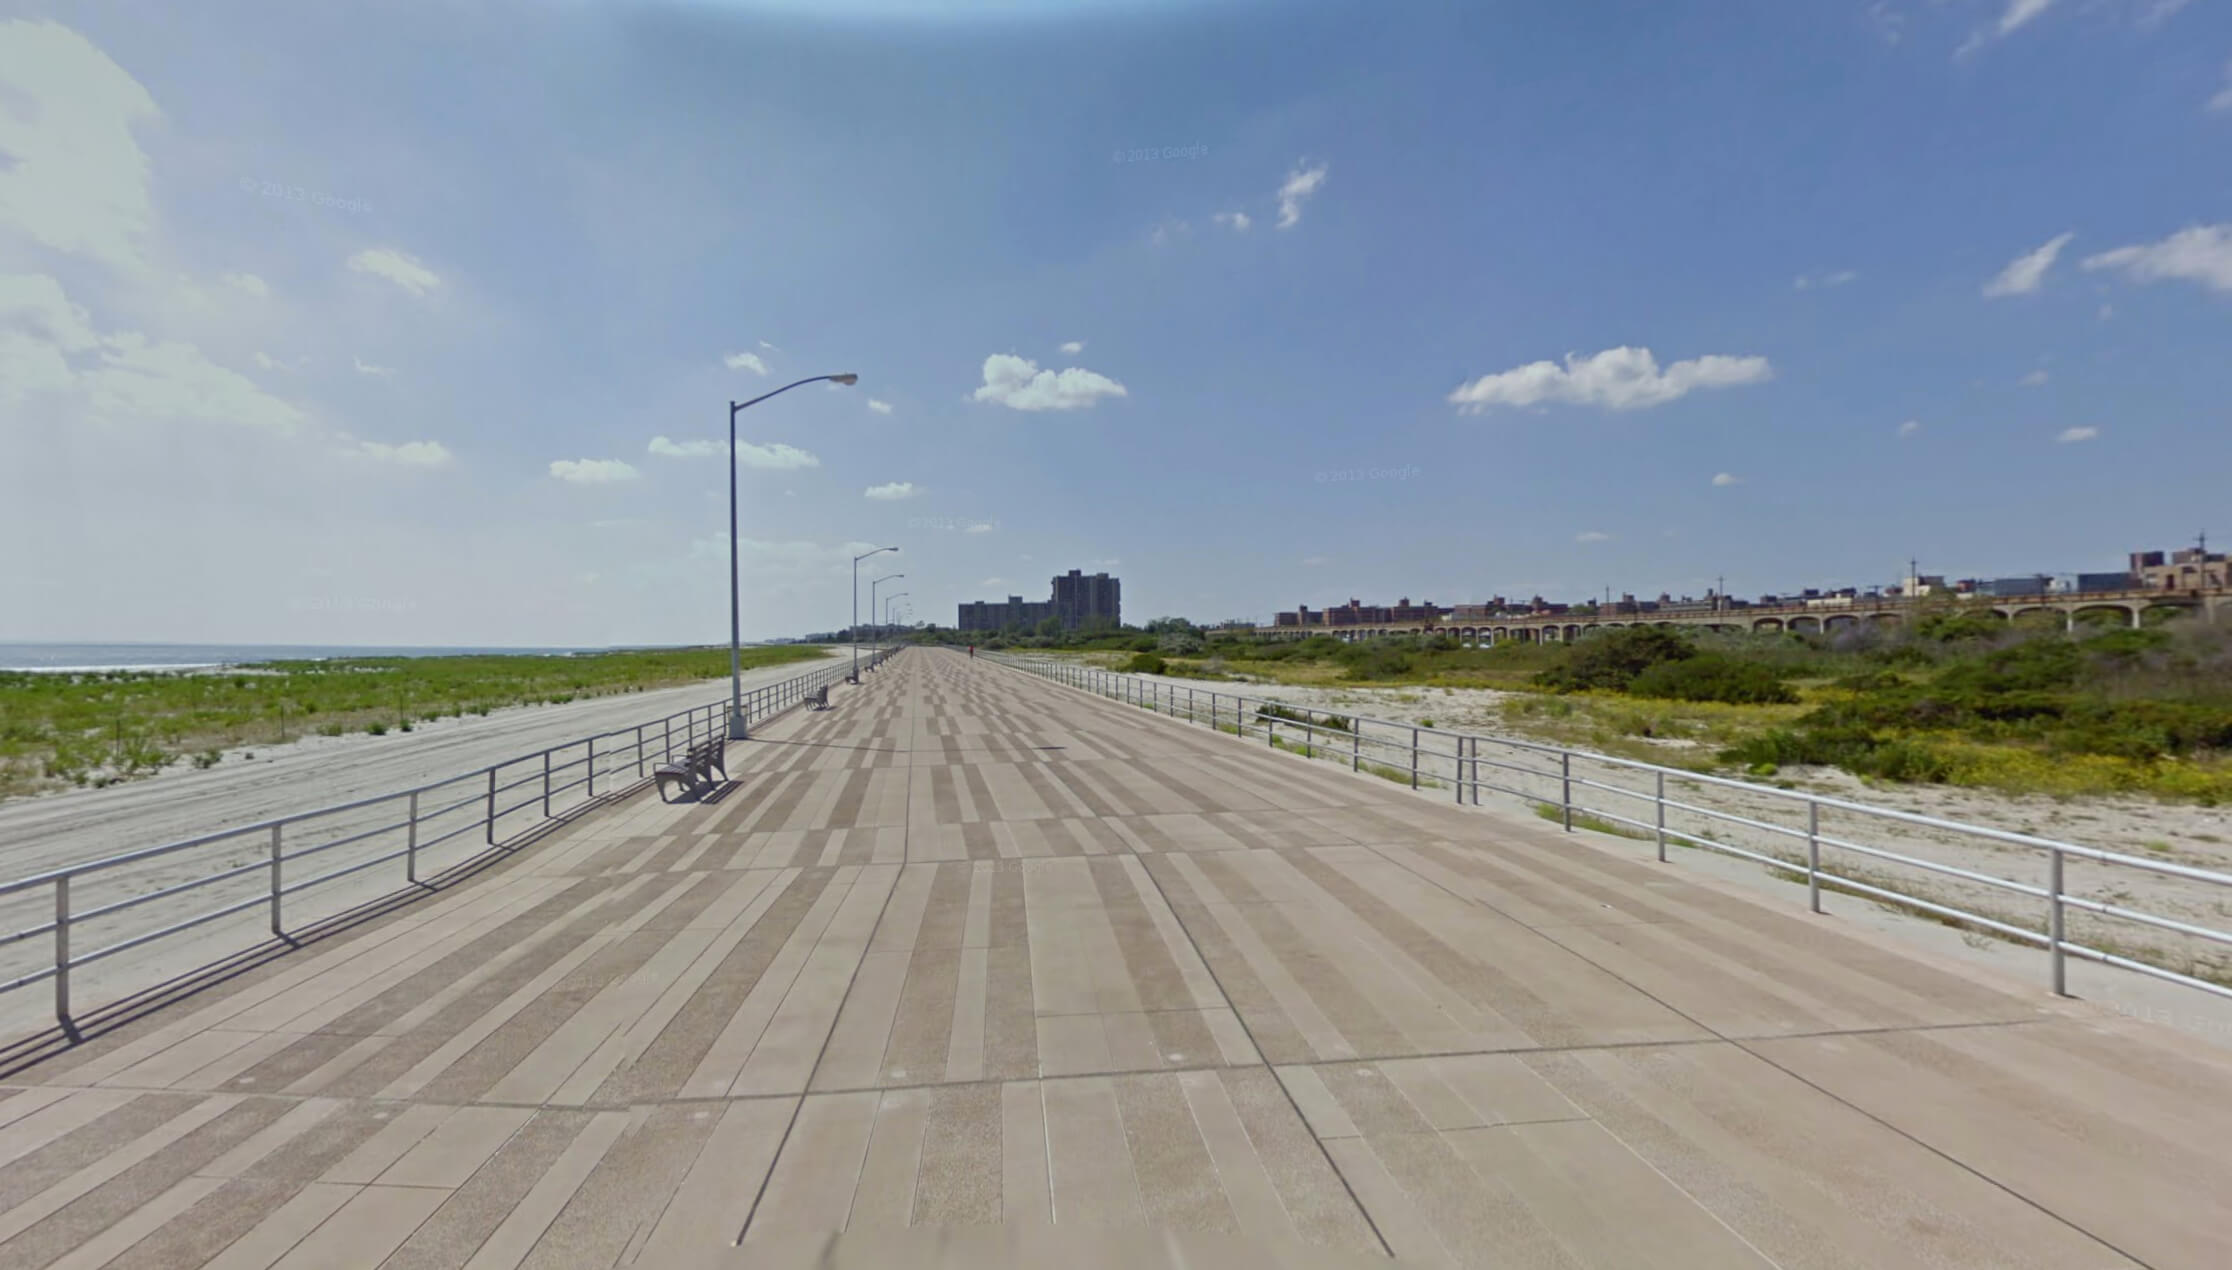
{"points": [[1077, 599]]}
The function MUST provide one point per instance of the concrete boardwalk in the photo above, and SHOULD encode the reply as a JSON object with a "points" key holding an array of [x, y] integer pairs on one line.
{"points": [[972, 949]]}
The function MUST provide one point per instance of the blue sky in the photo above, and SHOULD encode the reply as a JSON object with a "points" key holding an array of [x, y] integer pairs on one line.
{"points": [[361, 323]]}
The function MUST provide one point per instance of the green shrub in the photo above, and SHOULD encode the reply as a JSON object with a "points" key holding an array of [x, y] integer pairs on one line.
{"points": [[1613, 659], [1145, 663], [1712, 677], [378, 729]]}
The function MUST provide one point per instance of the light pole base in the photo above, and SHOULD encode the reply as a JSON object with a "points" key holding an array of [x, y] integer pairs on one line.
{"points": [[738, 729]]}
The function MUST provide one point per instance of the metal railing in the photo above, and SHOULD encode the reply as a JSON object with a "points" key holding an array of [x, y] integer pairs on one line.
{"points": [[1546, 776], [514, 797]]}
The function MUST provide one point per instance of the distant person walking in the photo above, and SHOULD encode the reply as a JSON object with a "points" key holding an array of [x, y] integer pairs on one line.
{"points": [[972, 650]]}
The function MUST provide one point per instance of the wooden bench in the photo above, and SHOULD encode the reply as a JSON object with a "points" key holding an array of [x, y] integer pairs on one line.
{"points": [[819, 698], [696, 768]]}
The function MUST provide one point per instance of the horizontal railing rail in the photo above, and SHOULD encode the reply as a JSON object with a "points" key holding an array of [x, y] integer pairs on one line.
{"points": [[1443, 757], [623, 759]]}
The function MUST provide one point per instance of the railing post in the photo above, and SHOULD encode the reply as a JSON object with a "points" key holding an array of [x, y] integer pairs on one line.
{"points": [[492, 806], [277, 927], [1414, 758], [546, 784], [62, 950], [2054, 924], [591, 764], [1813, 855], [639, 751], [1565, 783], [1662, 817], [410, 842], [1457, 776], [1356, 745]]}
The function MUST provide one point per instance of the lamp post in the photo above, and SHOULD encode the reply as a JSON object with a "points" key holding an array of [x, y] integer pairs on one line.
{"points": [[872, 592], [855, 678], [887, 607], [736, 603]]}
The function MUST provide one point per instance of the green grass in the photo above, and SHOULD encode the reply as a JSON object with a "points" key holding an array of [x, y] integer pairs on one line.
{"points": [[1583, 820], [63, 730]]}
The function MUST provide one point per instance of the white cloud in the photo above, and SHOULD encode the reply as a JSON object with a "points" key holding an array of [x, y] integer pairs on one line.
{"points": [[592, 471], [745, 361], [1019, 384], [171, 380], [2023, 274], [427, 454], [1806, 282], [978, 528], [1889, 22], [1301, 183], [2197, 253], [992, 582], [248, 284], [1727, 478], [1074, 347], [2020, 12], [2223, 98], [266, 361], [773, 457], [367, 368], [687, 449], [1910, 427], [2069, 436], [2032, 380], [75, 179], [893, 491], [1236, 220], [2159, 12], [403, 270], [1592, 535], [1617, 378], [1168, 230], [880, 407]]}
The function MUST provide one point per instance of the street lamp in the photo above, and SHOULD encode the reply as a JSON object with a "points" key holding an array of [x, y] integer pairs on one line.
{"points": [[872, 592], [887, 607], [736, 729], [856, 608]]}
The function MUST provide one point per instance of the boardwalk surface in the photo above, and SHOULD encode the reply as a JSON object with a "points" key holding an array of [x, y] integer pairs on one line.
{"points": [[970, 950]]}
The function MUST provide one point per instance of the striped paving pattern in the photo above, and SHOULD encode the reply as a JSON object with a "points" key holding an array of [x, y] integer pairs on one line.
{"points": [[973, 953]]}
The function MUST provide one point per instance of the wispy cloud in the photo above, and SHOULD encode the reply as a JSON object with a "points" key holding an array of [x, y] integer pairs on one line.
{"points": [[2024, 273], [773, 457], [1592, 535], [879, 406], [1315, 561], [1723, 479], [1910, 427], [1073, 348], [248, 284], [364, 367], [2197, 253], [893, 491], [1807, 282], [745, 361], [422, 454], [592, 471], [397, 267], [1233, 220], [1303, 182], [2070, 436], [1617, 379], [1019, 384], [981, 527]]}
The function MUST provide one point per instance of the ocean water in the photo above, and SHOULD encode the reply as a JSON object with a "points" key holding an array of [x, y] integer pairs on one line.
{"points": [[81, 657]]}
